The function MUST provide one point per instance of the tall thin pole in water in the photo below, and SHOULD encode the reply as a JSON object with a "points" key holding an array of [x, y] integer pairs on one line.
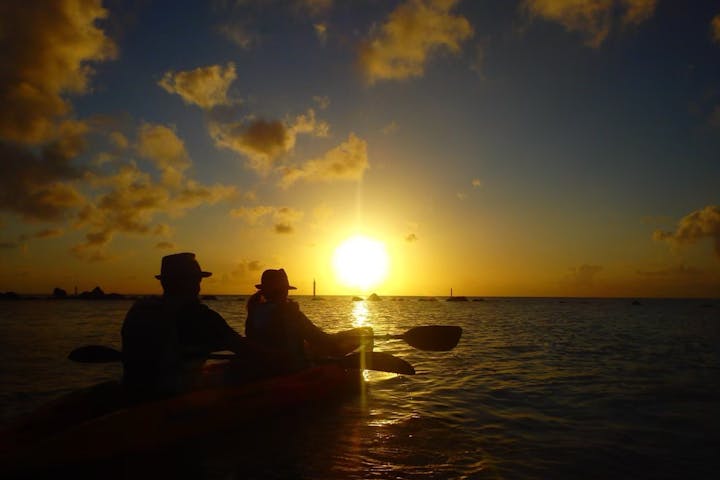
{"points": [[313, 288]]}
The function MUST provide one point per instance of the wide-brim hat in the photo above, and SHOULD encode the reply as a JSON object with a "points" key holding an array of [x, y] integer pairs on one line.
{"points": [[274, 280], [181, 265]]}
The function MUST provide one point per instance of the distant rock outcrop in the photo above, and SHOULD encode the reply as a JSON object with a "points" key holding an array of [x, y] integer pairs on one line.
{"points": [[98, 294], [357, 299], [59, 293], [457, 299], [9, 296], [374, 298]]}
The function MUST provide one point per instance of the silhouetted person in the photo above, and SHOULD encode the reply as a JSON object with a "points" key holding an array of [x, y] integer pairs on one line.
{"points": [[276, 322], [167, 340]]}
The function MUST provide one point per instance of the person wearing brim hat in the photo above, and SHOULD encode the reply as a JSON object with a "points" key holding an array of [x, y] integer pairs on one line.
{"points": [[276, 322], [167, 340]]}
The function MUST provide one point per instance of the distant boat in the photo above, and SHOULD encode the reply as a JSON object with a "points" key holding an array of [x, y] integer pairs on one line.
{"points": [[456, 299]]}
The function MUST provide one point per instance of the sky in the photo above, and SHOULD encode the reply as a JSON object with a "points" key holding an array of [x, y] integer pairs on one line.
{"points": [[495, 147]]}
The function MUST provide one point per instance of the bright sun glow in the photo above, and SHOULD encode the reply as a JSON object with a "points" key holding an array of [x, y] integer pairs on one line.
{"points": [[361, 262]]}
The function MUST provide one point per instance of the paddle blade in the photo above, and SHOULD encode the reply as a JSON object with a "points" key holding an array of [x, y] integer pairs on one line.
{"points": [[379, 361], [95, 354], [438, 338]]}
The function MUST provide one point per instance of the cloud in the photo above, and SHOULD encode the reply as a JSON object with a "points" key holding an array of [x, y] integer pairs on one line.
{"points": [[476, 183], [129, 200], [411, 238], [165, 245], [697, 225], [715, 27], [680, 271], [39, 186], [584, 275], [323, 102], [264, 141], [478, 60], [417, 29], [390, 128], [321, 32], [47, 51], [165, 150], [283, 218], [206, 87], [593, 18], [44, 233], [239, 34], [241, 269], [347, 161]]}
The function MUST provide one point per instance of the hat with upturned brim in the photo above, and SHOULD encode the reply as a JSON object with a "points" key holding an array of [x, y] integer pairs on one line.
{"points": [[272, 280], [181, 265]]}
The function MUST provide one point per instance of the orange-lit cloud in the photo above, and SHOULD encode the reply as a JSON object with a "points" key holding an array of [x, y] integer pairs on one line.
{"points": [[715, 26], [584, 275], [206, 87], [283, 218], [402, 46], [165, 245], [593, 18], [47, 50], [680, 271], [347, 161], [264, 141], [161, 145], [130, 200], [695, 226], [411, 238]]}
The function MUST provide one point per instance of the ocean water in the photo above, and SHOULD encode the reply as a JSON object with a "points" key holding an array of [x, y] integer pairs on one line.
{"points": [[536, 389]]}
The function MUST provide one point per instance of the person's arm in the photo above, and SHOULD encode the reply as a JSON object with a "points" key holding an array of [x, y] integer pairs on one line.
{"points": [[319, 341]]}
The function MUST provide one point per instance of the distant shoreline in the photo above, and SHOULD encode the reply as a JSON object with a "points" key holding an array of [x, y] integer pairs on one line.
{"points": [[12, 296]]}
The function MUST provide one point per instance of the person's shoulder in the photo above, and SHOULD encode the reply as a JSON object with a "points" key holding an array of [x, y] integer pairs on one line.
{"points": [[205, 311], [147, 303]]}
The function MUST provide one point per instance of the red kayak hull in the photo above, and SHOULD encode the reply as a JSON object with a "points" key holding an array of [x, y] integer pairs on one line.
{"points": [[45, 439]]}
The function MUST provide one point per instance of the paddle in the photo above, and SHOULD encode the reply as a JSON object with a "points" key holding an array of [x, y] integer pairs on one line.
{"points": [[438, 338], [379, 361]]}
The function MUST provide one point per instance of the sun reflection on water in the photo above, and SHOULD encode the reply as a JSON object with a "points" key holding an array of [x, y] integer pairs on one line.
{"points": [[361, 315]]}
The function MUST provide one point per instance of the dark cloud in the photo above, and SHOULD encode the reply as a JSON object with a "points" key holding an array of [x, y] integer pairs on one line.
{"points": [[410, 238], [38, 187], [284, 228]]}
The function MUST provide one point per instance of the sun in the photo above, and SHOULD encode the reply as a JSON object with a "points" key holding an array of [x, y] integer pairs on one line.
{"points": [[361, 262]]}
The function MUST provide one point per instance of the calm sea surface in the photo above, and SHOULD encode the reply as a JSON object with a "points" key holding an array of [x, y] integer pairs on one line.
{"points": [[536, 389]]}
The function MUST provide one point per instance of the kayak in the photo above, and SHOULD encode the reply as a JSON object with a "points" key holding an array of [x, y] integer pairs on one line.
{"points": [[97, 423]]}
